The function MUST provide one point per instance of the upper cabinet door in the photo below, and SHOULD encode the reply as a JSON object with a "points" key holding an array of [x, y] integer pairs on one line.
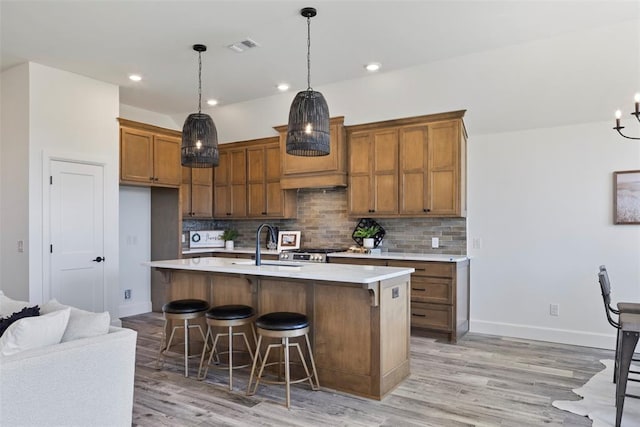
{"points": [[444, 168], [136, 155], [166, 160], [414, 160]]}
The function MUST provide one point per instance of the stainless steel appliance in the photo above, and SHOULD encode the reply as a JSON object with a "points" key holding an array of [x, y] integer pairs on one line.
{"points": [[308, 254], [206, 239]]}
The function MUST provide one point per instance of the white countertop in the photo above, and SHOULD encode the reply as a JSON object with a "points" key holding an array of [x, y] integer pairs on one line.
{"points": [[311, 271], [408, 256], [401, 256]]}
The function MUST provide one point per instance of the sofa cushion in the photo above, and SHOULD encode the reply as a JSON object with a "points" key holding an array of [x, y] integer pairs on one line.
{"points": [[9, 306], [34, 332], [82, 323], [5, 322]]}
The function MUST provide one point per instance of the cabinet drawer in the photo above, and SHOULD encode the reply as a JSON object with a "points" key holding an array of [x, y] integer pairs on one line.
{"points": [[431, 316], [437, 269], [431, 289]]}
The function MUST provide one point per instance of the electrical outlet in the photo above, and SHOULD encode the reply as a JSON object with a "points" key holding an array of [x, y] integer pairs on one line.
{"points": [[554, 309], [435, 242], [127, 294], [20, 245], [477, 243]]}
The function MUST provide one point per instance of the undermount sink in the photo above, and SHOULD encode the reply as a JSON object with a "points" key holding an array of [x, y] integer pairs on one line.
{"points": [[274, 263]]}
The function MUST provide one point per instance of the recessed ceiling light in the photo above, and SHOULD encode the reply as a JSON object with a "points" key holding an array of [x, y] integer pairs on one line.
{"points": [[283, 87], [373, 66], [135, 77], [212, 102]]}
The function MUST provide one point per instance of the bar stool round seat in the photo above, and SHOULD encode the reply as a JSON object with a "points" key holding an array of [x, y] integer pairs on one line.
{"points": [[282, 321], [185, 306], [180, 310], [229, 317], [230, 312], [283, 325]]}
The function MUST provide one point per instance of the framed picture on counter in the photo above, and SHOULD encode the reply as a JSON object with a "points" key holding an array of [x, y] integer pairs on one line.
{"points": [[288, 240], [626, 197]]}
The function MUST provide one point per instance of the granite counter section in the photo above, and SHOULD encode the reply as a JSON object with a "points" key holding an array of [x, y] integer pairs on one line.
{"points": [[346, 273]]}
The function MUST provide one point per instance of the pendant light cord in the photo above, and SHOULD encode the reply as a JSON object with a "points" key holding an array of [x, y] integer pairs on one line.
{"points": [[309, 54], [199, 82]]}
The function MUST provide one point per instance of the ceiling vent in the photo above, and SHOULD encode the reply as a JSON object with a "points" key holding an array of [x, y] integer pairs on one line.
{"points": [[243, 45]]}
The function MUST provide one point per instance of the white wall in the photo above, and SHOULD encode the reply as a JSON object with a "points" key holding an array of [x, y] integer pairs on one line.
{"points": [[14, 181], [541, 205], [150, 117], [135, 228], [541, 157], [71, 117], [135, 248]]}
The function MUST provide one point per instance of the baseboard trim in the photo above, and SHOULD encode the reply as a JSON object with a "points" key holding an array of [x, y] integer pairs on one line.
{"points": [[131, 309], [561, 336]]}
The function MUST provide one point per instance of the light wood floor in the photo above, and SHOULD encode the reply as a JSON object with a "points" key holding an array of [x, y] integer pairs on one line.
{"points": [[482, 381]]}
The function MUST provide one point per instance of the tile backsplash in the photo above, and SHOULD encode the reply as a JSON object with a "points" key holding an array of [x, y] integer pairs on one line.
{"points": [[324, 222]]}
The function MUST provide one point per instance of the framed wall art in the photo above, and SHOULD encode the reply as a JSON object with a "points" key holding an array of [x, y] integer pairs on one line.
{"points": [[288, 240], [626, 196]]}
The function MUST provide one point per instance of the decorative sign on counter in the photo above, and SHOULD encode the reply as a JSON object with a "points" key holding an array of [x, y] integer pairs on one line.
{"points": [[288, 240]]}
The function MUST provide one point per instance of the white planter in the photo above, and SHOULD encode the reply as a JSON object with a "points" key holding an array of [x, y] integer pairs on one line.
{"points": [[368, 242], [228, 244]]}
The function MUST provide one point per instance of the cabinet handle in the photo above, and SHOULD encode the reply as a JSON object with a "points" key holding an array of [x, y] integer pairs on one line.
{"points": [[418, 289], [418, 315]]}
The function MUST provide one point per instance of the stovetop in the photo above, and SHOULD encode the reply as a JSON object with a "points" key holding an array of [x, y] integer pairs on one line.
{"points": [[308, 254]]}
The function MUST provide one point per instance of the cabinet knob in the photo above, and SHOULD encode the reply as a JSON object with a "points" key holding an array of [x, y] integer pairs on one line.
{"points": [[228, 213], [372, 210], [426, 210], [150, 178], [264, 213]]}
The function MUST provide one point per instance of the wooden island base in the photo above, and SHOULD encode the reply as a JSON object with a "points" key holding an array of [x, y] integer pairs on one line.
{"points": [[359, 332]]}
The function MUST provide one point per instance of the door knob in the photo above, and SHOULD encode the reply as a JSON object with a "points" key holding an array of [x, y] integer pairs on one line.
{"points": [[98, 259]]}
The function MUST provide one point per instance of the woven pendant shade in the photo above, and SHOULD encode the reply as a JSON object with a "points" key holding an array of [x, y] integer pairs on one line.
{"points": [[199, 142], [308, 130], [199, 134]]}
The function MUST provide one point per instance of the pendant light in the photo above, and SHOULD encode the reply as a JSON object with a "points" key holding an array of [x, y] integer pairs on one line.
{"points": [[199, 134], [308, 129]]}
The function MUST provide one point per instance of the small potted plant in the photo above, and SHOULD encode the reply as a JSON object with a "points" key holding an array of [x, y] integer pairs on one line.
{"points": [[229, 235], [367, 234]]}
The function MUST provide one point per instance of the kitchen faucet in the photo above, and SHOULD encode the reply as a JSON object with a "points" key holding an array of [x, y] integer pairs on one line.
{"points": [[271, 237]]}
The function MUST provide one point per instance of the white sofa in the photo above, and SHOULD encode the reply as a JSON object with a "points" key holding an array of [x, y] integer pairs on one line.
{"points": [[84, 382]]}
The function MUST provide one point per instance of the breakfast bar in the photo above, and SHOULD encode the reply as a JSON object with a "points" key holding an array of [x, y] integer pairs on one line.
{"points": [[360, 314]]}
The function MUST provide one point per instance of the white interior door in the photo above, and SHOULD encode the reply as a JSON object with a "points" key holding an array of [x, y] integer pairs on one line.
{"points": [[77, 234]]}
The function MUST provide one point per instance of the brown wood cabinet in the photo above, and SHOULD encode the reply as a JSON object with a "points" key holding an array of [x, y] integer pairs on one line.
{"points": [[265, 197], [230, 183], [149, 155], [439, 294], [196, 192], [321, 171], [247, 182], [408, 167]]}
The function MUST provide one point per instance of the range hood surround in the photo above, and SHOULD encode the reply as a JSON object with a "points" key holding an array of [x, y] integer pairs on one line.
{"points": [[316, 172]]}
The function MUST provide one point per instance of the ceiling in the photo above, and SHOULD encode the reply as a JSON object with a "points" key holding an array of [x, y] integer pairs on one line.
{"points": [[110, 39]]}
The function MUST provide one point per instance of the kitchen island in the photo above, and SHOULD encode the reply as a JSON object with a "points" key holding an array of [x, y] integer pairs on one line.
{"points": [[360, 315]]}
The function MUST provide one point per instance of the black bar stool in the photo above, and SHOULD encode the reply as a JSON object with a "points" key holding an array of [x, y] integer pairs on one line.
{"points": [[185, 310], [283, 325], [227, 316]]}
